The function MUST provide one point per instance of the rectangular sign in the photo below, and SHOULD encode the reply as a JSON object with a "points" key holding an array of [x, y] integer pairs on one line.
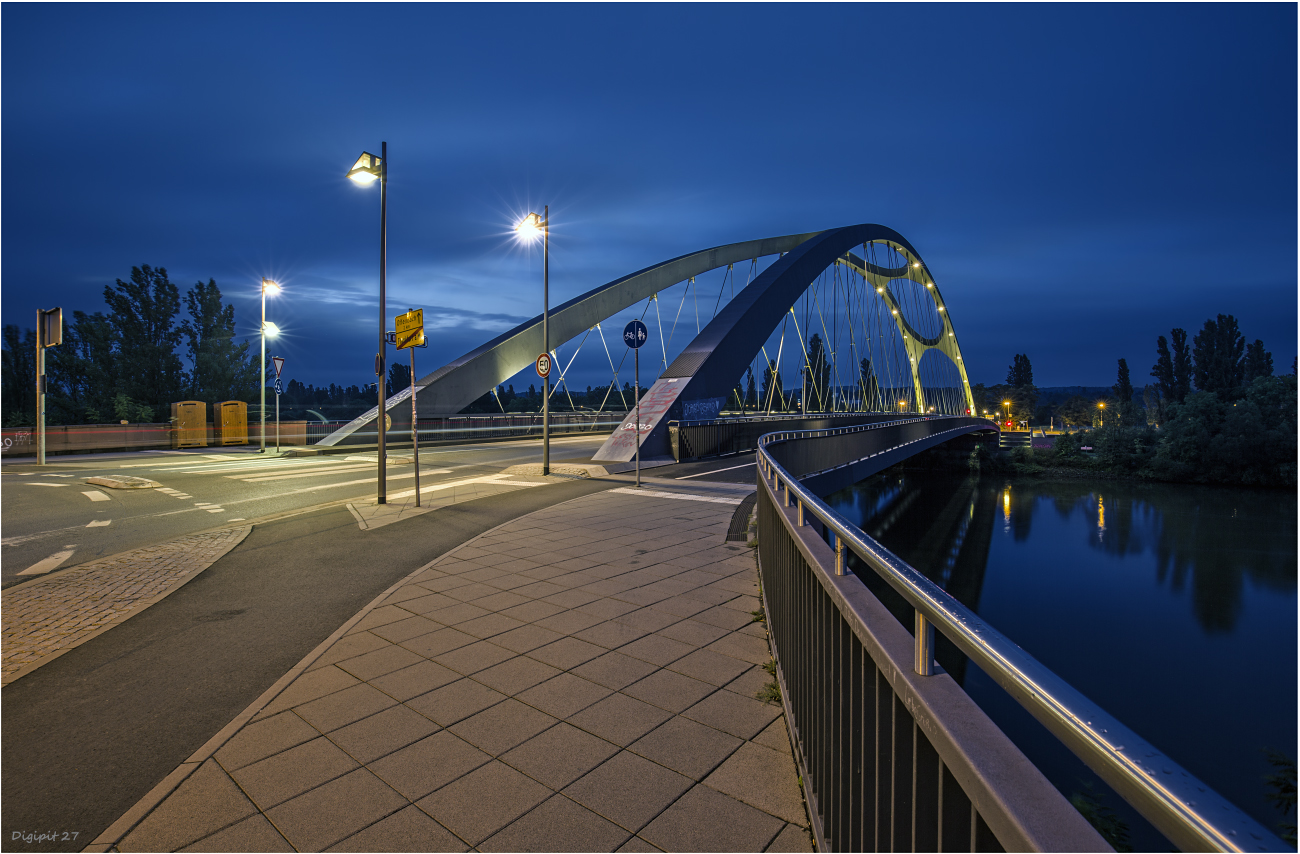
{"points": [[410, 329]]}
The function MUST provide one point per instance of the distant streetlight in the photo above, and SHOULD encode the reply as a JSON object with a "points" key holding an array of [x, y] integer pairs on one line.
{"points": [[1101, 405], [366, 171], [528, 229], [1007, 404], [268, 330]]}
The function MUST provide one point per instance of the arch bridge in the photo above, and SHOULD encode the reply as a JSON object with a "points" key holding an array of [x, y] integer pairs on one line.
{"points": [[875, 336]]}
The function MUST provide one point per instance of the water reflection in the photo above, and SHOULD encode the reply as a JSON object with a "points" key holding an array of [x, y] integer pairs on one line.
{"points": [[1211, 540]]}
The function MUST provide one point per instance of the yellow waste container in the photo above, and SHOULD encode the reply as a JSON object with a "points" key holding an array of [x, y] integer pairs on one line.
{"points": [[231, 422], [190, 424]]}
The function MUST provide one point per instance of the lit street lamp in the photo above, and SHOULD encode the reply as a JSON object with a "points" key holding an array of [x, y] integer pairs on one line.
{"points": [[1007, 404], [268, 287], [366, 171], [1101, 405], [529, 227]]}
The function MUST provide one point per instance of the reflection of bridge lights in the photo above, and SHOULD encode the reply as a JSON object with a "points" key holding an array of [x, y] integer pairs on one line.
{"points": [[1006, 506], [1101, 516]]}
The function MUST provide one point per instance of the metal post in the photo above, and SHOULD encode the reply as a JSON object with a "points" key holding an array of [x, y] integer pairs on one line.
{"points": [[839, 554], [546, 338], [380, 418], [277, 417], [40, 387], [799, 520], [636, 400], [415, 430], [262, 437], [924, 663]]}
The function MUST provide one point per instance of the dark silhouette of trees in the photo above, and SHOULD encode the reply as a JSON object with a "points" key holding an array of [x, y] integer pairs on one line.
{"points": [[1217, 351], [1021, 373], [1259, 362]]}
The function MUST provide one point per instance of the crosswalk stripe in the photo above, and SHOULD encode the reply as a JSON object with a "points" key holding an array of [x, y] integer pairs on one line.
{"points": [[50, 563], [262, 478]]}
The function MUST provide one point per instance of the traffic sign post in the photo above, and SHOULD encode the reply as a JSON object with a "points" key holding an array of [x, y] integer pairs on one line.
{"points": [[543, 365], [634, 335], [278, 361], [49, 333], [410, 329]]}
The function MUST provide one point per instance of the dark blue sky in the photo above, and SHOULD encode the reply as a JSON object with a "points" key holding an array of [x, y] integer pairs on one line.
{"points": [[1080, 178]]}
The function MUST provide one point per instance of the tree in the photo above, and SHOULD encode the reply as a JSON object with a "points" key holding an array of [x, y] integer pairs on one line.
{"points": [[751, 391], [399, 378], [18, 377], [1182, 364], [1021, 373], [1163, 369], [1123, 390], [772, 393], [1217, 354], [221, 369], [1076, 410], [142, 313], [817, 377], [1259, 362], [81, 371], [870, 388]]}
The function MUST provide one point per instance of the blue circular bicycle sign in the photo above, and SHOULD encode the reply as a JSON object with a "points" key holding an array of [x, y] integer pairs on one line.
{"points": [[635, 334]]}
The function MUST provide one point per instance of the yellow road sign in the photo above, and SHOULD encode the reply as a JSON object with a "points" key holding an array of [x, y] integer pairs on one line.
{"points": [[410, 329]]}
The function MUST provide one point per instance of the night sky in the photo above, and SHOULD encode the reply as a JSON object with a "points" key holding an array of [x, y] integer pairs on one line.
{"points": [[1080, 178]]}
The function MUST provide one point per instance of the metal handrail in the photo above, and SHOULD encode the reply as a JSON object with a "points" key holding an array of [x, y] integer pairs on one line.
{"points": [[1183, 808]]}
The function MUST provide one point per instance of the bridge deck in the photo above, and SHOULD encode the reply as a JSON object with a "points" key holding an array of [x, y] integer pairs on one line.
{"points": [[581, 678]]}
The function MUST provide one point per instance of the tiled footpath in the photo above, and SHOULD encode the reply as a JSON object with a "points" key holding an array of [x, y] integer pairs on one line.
{"points": [[48, 616], [580, 679]]}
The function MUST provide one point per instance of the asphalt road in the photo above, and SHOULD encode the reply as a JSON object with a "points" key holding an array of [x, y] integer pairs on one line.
{"points": [[52, 511]]}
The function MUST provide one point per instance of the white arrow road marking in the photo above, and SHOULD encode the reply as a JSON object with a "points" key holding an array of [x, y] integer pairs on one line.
{"points": [[100, 523], [46, 484], [51, 562], [95, 495]]}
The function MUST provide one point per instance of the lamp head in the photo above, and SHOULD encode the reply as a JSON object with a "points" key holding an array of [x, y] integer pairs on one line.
{"points": [[366, 170], [270, 329], [529, 227], [269, 287]]}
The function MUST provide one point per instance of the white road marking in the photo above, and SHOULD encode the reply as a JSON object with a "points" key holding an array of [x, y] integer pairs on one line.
{"points": [[494, 479], [217, 510], [60, 475], [100, 523], [46, 484], [50, 563], [95, 495], [714, 471], [313, 473], [236, 519], [650, 493]]}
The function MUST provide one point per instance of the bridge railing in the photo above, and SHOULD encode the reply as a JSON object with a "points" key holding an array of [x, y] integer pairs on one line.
{"points": [[478, 428], [691, 440], [894, 755]]}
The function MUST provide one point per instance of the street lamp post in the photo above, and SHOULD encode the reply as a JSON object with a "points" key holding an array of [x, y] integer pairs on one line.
{"points": [[367, 170], [268, 287], [528, 229], [1007, 404]]}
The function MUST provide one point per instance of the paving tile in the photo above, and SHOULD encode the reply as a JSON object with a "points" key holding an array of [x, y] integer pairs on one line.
{"points": [[207, 801], [526, 638], [687, 747], [344, 707], [610, 635], [629, 790], [775, 736], [606, 609], [657, 650], [441, 585], [472, 591], [747, 604], [749, 683], [484, 801], [516, 675], [680, 607], [792, 840], [436, 643], [614, 670], [744, 647], [558, 824], [705, 820], [349, 646], [419, 678], [724, 618], [484, 574], [571, 599], [405, 830], [531, 612], [458, 614], [455, 702], [498, 602], [308, 687], [381, 734], [473, 658], [559, 755], [619, 718], [755, 629], [381, 616], [642, 596], [428, 603], [430, 763], [648, 619], [540, 589], [564, 695], [763, 778], [744, 717], [406, 629], [334, 811], [264, 738], [486, 627], [709, 666], [637, 844], [503, 726], [669, 690], [693, 632], [567, 653], [386, 659], [278, 778], [254, 833]]}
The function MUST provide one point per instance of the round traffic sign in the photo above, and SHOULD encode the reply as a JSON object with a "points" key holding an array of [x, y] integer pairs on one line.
{"points": [[635, 334], [544, 365]]}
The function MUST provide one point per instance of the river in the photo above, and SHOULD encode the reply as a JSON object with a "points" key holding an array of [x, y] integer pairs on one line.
{"points": [[1171, 606]]}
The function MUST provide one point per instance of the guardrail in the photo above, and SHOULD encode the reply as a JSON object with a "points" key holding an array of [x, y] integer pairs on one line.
{"points": [[477, 428], [894, 754], [732, 435]]}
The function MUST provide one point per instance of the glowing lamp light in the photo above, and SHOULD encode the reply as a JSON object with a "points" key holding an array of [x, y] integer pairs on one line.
{"points": [[270, 329], [270, 288], [530, 227], [366, 169]]}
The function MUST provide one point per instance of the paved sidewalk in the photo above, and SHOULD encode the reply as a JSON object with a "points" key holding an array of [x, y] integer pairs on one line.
{"points": [[581, 678], [46, 617]]}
